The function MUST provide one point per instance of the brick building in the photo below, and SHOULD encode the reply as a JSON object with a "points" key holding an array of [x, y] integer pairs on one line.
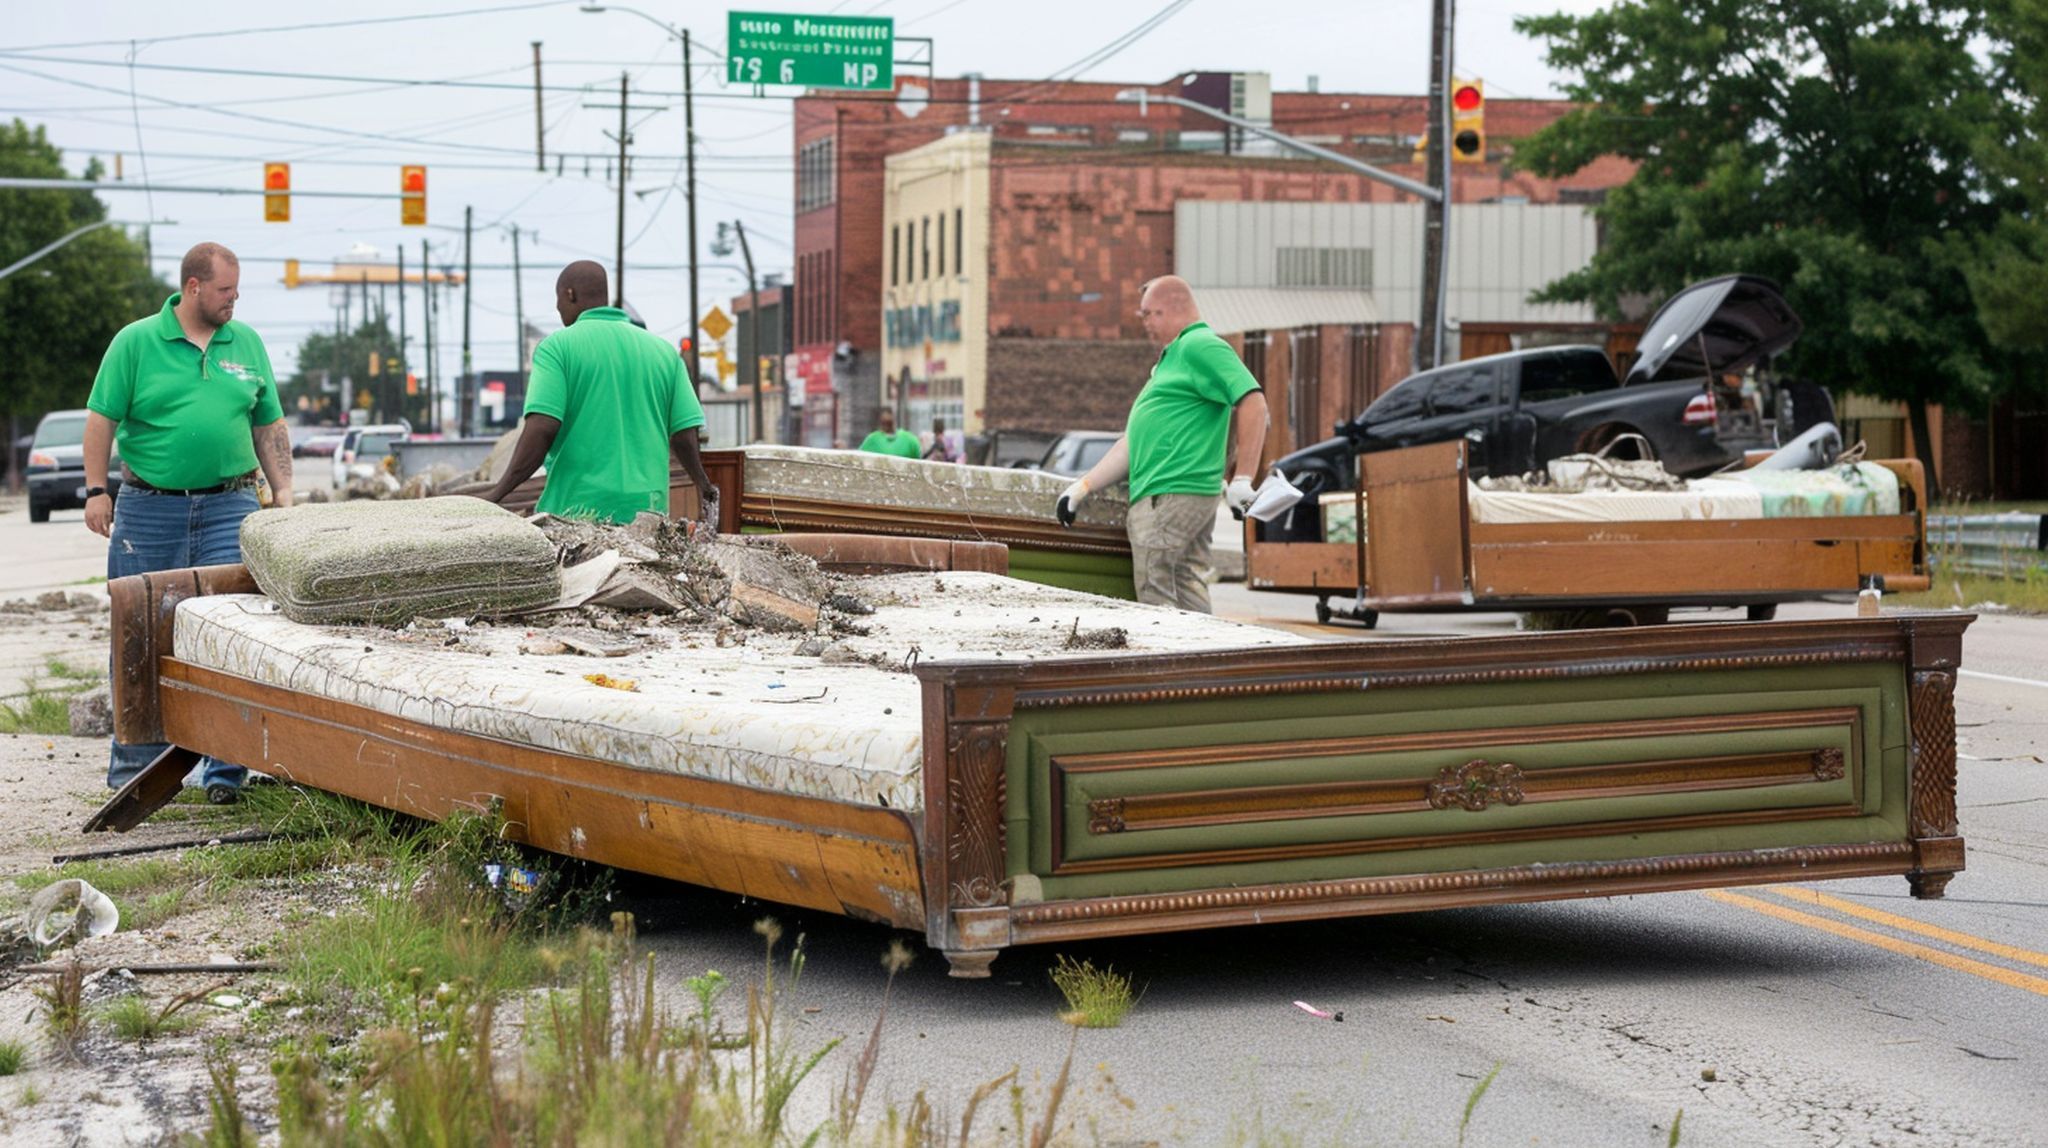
{"points": [[1078, 210]]}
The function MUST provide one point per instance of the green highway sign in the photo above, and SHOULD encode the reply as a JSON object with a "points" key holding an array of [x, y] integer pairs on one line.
{"points": [[815, 51]]}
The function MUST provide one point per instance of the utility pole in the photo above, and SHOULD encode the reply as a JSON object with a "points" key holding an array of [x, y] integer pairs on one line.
{"points": [[540, 125], [690, 202], [619, 275], [624, 138], [465, 389], [427, 337], [519, 312], [398, 389], [753, 314], [1436, 213]]}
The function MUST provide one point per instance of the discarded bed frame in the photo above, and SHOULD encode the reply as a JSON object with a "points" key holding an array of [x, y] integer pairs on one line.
{"points": [[1098, 796], [1414, 492]]}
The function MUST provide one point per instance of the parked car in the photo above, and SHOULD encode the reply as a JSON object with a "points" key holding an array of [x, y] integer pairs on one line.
{"points": [[363, 449], [320, 444], [1074, 453], [1009, 448], [56, 466], [1699, 395]]}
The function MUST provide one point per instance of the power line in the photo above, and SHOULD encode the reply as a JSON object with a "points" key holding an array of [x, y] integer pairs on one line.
{"points": [[224, 33]]}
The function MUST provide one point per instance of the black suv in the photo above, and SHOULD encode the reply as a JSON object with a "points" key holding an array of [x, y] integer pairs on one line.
{"points": [[56, 466], [1521, 409]]}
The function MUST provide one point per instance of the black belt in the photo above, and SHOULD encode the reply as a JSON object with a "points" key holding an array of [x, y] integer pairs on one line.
{"points": [[130, 478]]}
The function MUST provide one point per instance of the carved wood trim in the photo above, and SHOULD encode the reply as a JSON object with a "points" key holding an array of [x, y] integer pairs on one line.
{"points": [[1103, 916], [1475, 785], [1210, 807], [1933, 754], [1459, 839]]}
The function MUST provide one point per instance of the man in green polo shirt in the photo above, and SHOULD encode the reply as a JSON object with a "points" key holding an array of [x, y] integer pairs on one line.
{"points": [[191, 397], [1173, 449], [605, 405], [888, 440]]}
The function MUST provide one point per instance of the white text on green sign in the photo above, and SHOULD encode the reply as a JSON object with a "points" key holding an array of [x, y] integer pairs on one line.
{"points": [[815, 51]]}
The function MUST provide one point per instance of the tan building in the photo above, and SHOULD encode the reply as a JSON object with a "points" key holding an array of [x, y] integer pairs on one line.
{"points": [[935, 283]]}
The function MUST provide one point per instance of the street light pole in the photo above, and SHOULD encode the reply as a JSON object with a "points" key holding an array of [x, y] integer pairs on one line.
{"points": [[690, 202], [689, 157], [754, 311], [1430, 325]]}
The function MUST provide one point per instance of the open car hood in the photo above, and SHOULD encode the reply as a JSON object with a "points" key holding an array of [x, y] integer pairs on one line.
{"points": [[1719, 326]]}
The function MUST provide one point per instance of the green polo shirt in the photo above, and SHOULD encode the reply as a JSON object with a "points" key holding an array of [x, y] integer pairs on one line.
{"points": [[620, 392], [1181, 422], [184, 413], [900, 443]]}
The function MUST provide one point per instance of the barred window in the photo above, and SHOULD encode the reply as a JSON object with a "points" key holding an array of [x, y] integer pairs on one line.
{"points": [[816, 174], [1322, 267]]}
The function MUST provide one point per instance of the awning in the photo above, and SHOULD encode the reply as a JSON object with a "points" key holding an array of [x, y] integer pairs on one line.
{"points": [[1231, 310]]}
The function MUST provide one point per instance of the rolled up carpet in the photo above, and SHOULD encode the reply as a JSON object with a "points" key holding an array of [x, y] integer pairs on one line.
{"points": [[388, 563]]}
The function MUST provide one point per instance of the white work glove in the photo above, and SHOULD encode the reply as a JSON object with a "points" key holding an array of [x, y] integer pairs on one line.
{"points": [[1069, 504], [1239, 495]]}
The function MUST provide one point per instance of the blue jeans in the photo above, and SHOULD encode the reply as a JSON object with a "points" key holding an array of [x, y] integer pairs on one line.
{"points": [[152, 532]]}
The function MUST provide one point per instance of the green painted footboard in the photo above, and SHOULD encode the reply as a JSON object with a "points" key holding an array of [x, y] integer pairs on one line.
{"points": [[1144, 794]]}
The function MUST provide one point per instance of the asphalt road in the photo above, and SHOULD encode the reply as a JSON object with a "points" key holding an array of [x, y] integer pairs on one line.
{"points": [[1842, 1013]]}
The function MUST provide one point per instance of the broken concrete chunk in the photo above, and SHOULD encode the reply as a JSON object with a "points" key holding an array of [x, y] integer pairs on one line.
{"points": [[595, 643]]}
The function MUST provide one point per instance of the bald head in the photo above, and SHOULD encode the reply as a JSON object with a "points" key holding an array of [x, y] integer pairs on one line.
{"points": [[579, 287], [1166, 307]]}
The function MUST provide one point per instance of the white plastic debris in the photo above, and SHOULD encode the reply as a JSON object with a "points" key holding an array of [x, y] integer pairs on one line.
{"points": [[70, 910]]}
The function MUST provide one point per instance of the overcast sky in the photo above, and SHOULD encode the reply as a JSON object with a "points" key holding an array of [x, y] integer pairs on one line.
{"points": [[199, 129]]}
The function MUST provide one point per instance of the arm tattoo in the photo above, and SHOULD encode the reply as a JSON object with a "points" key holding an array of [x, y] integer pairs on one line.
{"points": [[274, 450]]}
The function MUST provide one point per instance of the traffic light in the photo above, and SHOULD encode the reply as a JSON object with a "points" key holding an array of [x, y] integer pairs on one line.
{"points": [[277, 193], [291, 273], [1468, 121], [412, 186], [686, 347]]}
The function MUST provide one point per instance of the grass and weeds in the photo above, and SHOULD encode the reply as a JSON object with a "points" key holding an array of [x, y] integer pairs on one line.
{"points": [[13, 1057], [45, 708], [36, 710], [2026, 593], [60, 1001], [135, 1018], [1096, 998]]}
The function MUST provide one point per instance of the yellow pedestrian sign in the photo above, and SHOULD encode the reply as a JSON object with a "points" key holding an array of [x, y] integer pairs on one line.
{"points": [[715, 324]]}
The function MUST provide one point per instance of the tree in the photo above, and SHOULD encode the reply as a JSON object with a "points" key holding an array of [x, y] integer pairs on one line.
{"points": [[66, 307], [1832, 145], [2007, 267], [326, 358]]}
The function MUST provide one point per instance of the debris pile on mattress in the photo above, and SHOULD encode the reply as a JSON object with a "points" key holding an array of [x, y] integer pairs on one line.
{"points": [[389, 563], [879, 480]]}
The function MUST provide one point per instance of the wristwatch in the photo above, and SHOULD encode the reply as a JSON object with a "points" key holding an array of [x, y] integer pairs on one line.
{"points": [[92, 492]]}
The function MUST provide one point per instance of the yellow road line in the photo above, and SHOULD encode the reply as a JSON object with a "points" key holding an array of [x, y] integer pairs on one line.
{"points": [[2018, 980], [1960, 940]]}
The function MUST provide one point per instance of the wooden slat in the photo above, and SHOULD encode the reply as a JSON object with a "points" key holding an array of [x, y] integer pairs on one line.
{"points": [[1417, 554], [852, 859], [1637, 564]]}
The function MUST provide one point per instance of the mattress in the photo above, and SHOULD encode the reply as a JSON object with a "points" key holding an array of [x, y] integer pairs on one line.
{"points": [[1848, 490], [913, 484], [759, 714]]}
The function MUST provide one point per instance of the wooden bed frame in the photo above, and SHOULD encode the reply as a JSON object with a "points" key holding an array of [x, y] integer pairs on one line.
{"points": [[1148, 793], [1415, 493]]}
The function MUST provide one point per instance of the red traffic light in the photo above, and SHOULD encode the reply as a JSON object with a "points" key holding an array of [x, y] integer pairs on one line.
{"points": [[277, 177], [1467, 97], [685, 346], [412, 179]]}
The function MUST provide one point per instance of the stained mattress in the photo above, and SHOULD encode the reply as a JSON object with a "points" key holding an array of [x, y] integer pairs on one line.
{"points": [[757, 714], [913, 484]]}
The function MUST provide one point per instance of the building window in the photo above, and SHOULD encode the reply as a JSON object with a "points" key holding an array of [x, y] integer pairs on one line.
{"points": [[959, 264], [925, 249], [942, 245], [1322, 267], [816, 174], [895, 252]]}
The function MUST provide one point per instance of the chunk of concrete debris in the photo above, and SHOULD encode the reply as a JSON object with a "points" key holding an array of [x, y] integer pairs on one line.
{"points": [[771, 587], [594, 643], [92, 713], [640, 588]]}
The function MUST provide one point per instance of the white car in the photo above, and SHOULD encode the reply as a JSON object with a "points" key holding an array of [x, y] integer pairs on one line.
{"points": [[363, 449]]}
